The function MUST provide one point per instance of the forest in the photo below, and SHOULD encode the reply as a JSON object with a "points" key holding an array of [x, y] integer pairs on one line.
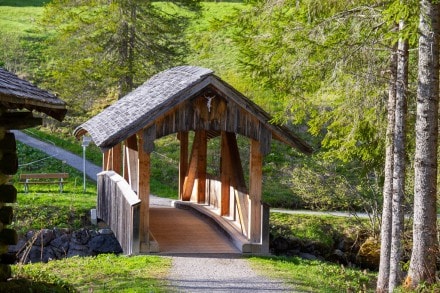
{"points": [[358, 79]]}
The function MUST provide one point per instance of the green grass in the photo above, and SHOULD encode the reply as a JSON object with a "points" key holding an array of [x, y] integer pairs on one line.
{"points": [[19, 17], [316, 276], [103, 273], [323, 229], [43, 206]]}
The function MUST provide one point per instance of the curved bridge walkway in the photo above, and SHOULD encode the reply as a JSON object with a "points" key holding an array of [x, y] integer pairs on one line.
{"points": [[179, 231]]}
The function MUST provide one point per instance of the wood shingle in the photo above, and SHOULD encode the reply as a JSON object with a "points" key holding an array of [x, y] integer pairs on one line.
{"points": [[17, 93], [181, 99]]}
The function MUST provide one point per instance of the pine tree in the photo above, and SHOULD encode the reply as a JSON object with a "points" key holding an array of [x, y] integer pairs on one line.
{"points": [[425, 243]]}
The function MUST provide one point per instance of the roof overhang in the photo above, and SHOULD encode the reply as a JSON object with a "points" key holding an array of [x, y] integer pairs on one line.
{"points": [[17, 93], [170, 93]]}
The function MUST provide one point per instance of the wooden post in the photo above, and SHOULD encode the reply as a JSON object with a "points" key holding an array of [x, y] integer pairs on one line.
{"points": [[201, 167], [117, 158], [225, 176], [255, 190], [143, 188], [231, 168], [106, 160], [183, 163], [197, 169], [191, 174]]}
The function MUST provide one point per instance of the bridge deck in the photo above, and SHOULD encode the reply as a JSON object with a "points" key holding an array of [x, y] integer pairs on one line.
{"points": [[180, 231]]}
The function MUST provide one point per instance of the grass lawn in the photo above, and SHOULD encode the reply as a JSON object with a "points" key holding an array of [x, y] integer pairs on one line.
{"points": [[103, 273], [315, 276], [45, 207], [20, 20]]}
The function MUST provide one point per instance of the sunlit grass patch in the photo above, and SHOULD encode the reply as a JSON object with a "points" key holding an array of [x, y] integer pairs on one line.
{"points": [[315, 276], [102, 273]]}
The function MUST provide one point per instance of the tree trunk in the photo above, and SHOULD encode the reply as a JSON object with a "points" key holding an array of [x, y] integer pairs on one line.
{"points": [[385, 240], [126, 47], [399, 163], [425, 245]]}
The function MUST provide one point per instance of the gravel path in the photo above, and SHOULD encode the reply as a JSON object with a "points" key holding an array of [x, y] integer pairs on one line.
{"points": [[216, 272], [219, 274]]}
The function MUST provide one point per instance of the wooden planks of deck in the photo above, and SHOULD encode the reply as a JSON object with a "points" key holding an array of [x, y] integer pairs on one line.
{"points": [[180, 231]]}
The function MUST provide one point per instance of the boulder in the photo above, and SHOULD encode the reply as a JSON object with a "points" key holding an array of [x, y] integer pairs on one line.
{"points": [[369, 254]]}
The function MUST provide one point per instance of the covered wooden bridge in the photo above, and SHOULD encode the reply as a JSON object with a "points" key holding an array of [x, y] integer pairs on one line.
{"points": [[179, 101]]}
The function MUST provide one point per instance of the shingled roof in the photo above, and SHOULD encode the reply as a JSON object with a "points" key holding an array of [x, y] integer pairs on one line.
{"points": [[17, 93], [164, 92]]}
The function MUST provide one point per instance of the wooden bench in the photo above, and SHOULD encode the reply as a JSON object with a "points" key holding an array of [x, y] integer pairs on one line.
{"points": [[43, 178]]}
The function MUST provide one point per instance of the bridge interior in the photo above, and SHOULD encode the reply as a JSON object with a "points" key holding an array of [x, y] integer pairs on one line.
{"points": [[180, 231]]}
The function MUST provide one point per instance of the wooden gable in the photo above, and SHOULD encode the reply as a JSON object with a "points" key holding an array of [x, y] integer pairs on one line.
{"points": [[182, 99]]}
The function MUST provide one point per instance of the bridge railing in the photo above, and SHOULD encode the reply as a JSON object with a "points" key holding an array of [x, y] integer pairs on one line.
{"points": [[119, 207]]}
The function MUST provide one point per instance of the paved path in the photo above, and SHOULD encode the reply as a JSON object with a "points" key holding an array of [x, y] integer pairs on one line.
{"points": [[58, 153]]}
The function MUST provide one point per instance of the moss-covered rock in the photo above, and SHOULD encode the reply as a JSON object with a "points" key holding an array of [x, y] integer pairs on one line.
{"points": [[369, 253]]}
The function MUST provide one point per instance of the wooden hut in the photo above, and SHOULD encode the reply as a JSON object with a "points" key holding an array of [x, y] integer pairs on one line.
{"points": [[18, 98], [178, 101]]}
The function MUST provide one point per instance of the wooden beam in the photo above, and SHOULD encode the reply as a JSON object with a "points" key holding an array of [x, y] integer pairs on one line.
{"points": [[117, 158], [201, 166], [255, 190], [148, 137], [9, 163], [19, 120], [242, 200], [191, 175], [183, 162], [6, 215], [106, 160], [144, 194], [8, 193], [237, 181], [236, 167], [8, 154], [131, 162]]}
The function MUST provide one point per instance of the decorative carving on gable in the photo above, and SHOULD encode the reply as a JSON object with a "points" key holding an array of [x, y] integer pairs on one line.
{"points": [[209, 107]]}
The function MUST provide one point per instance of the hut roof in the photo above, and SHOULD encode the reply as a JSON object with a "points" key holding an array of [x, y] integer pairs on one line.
{"points": [[162, 92], [17, 93]]}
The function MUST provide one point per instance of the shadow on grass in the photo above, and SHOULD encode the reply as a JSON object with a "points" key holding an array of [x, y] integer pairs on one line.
{"points": [[23, 3], [26, 285]]}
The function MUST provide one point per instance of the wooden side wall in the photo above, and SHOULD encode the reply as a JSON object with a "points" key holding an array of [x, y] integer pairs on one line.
{"points": [[119, 207]]}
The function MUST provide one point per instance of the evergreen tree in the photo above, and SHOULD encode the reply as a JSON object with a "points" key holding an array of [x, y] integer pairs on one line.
{"points": [[425, 243], [102, 49], [399, 153]]}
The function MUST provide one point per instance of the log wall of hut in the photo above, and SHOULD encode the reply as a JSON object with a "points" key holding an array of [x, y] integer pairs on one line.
{"points": [[18, 98]]}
